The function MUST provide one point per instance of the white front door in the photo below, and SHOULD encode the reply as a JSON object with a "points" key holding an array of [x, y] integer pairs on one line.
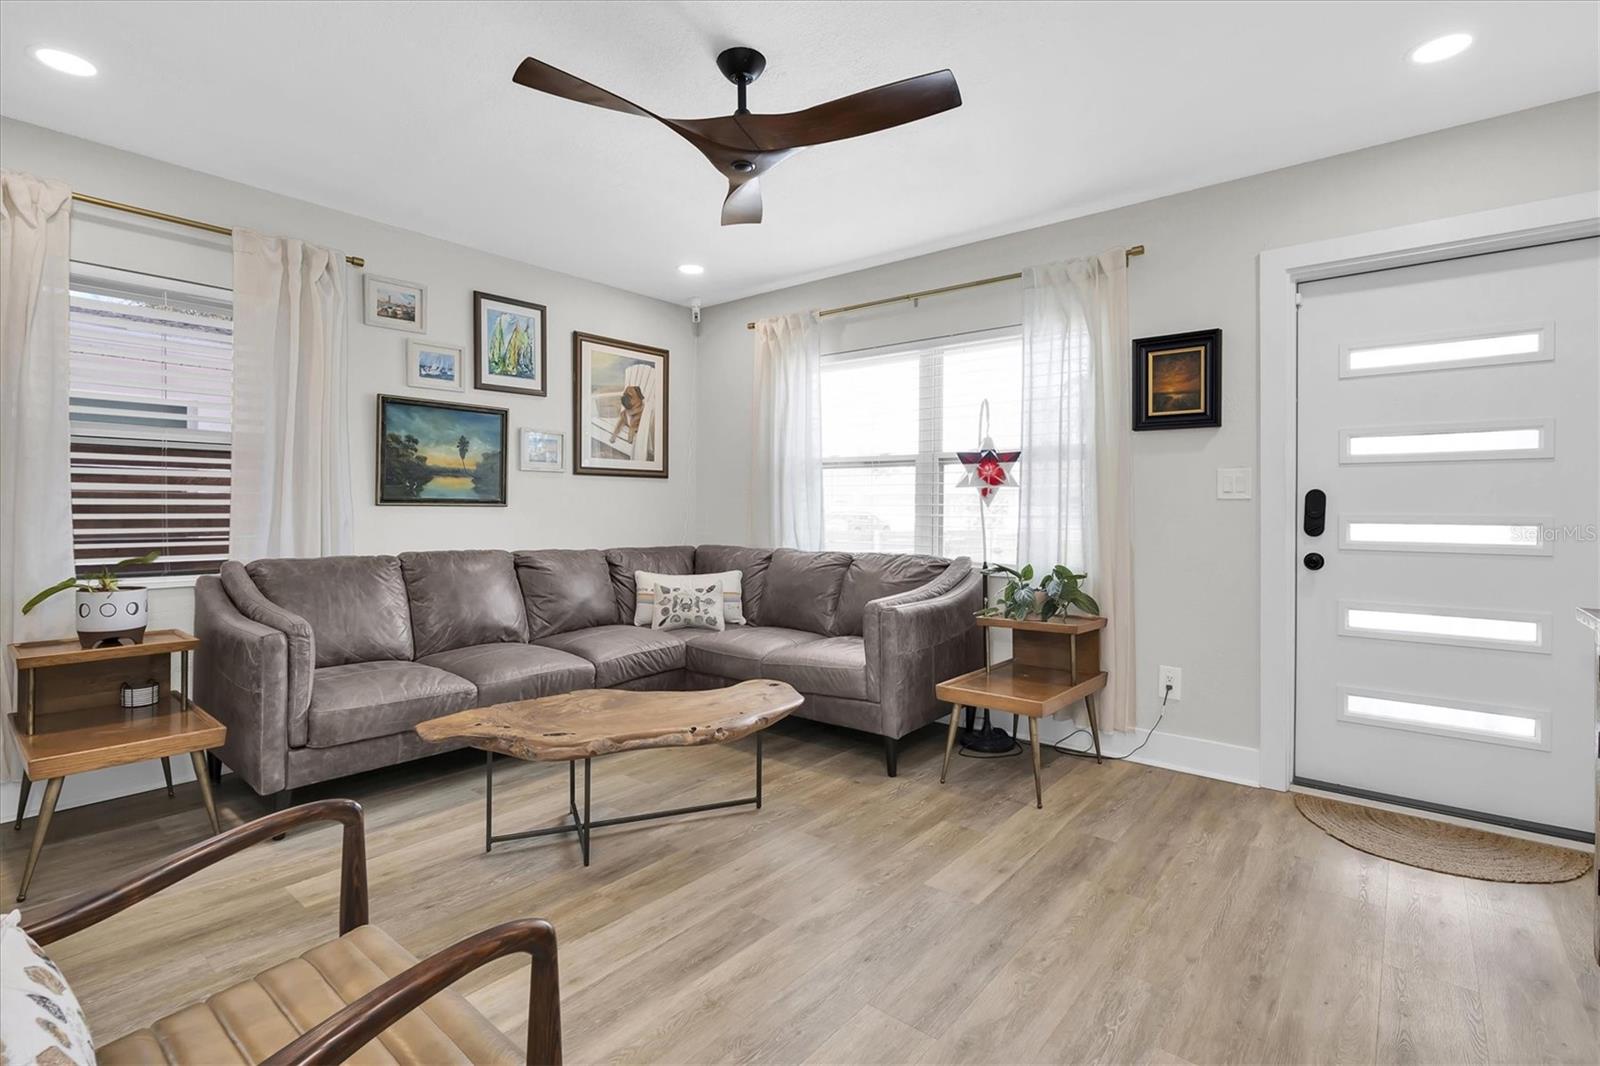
{"points": [[1448, 414]]}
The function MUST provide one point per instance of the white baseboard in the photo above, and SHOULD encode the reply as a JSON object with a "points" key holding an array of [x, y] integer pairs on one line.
{"points": [[82, 789], [1170, 751]]}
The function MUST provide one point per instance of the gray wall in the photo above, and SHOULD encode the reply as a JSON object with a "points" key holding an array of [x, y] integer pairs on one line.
{"points": [[1195, 557]]}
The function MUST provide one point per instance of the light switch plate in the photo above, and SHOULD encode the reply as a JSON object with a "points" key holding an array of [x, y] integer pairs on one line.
{"points": [[1233, 482]]}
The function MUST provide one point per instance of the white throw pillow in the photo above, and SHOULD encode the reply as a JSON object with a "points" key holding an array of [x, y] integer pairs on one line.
{"points": [[646, 583], [697, 605], [40, 1019]]}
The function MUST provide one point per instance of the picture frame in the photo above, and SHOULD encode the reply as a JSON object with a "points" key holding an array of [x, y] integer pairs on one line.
{"points": [[390, 303], [423, 448], [541, 450], [1177, 380], [619, 407], [436, 366], [508, 345]]}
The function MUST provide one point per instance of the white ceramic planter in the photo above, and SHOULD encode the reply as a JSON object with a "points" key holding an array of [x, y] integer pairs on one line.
{"points": [[109, 617]]}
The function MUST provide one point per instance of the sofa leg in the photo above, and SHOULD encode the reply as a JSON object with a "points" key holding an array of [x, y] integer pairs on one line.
{"points": [[281, 800], [891, 752]]}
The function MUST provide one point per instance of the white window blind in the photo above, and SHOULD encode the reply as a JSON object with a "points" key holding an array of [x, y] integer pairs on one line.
{"points": [[152, 421], [892, 422]]}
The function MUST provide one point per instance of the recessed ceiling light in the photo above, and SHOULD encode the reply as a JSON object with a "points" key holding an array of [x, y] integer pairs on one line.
{"points": [[691, 268], [1451, 44], [65, 62]]}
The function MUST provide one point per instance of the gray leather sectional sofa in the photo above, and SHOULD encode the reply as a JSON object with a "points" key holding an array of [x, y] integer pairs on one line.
{"points": [[321, 667]]}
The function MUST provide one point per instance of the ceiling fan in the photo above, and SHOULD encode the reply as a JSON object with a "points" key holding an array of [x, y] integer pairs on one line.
{"points": [[743, 146]]}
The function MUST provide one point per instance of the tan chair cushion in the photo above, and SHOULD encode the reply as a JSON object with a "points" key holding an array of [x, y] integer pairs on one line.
{"points": [[253, 1019]]}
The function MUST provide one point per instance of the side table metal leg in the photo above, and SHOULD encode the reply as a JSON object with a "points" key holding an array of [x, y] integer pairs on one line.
{"points": [[22, 800], [950, 740], [52, 792], [166, 772], [199, 760], [1094, 726], [1033, 742]]}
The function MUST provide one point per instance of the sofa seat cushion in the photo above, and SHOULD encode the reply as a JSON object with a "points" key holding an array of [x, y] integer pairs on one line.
{"points": [[737, 653], [361, 701], [249, 1021], [507, 672], [835, 666], [622, 653]]}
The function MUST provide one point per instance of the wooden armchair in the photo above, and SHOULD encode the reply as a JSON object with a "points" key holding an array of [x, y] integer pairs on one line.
{"points": [[370, 984]]}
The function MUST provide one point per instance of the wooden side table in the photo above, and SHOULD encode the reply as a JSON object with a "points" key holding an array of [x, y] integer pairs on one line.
{"points": [[1053, 665], [69, 719]]}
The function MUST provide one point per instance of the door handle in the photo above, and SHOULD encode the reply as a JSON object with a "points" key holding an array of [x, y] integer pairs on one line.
{"points": [[1316, 513], [1314, 561]]}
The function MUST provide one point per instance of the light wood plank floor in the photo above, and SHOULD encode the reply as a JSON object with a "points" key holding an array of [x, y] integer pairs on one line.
{"points": [[1144, 916]]}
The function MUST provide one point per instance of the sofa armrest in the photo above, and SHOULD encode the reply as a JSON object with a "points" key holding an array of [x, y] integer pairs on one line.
{"points": [[915, 639], [242, 679], [251, 602]]}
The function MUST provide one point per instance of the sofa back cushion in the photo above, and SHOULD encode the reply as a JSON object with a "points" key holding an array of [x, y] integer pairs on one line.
{"points": [[752, 565], [625, 562], [564, 590], [802, 590], [876, 574], [356, 605], [462, 598]]}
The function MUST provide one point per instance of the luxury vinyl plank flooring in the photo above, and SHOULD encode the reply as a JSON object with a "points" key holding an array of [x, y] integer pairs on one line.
{"points": [[1143, 917]]}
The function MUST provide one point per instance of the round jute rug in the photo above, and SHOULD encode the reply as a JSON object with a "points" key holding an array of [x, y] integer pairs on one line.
{"points": [[1441, 846]]}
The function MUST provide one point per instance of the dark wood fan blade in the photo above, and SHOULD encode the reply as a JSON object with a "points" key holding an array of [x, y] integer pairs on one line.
{"points": [[743, 205], [877, 109], [533, 74]]}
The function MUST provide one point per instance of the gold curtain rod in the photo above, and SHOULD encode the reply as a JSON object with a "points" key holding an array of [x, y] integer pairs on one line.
{"points": [[1137, 249], [179, 220]]}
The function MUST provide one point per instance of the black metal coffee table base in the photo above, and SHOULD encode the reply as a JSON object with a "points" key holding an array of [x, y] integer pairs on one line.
{"points": [[582, 824]]}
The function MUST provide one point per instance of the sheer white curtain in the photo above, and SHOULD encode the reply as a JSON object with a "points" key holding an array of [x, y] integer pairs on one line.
{"points": [[291, 445], [36, 517], [1076, 495], [786, 475]]}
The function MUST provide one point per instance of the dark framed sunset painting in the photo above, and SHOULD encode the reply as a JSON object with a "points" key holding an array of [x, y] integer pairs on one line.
{"points": [[1177, 380]]}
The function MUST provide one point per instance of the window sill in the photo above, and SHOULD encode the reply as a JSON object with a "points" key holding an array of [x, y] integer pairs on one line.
{"points": [[175, 581]]}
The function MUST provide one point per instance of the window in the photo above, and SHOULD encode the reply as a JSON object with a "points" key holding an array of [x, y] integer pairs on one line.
{"points": [[1532, 439], [1456, 718], [892, 422], [1484, 536], [1522, 346], [151, 412]]}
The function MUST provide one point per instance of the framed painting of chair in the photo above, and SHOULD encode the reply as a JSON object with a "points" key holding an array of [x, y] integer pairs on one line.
{"points": [[619, 407]]}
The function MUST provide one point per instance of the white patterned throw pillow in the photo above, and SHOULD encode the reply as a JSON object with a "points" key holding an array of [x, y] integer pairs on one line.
{"points": [[646, 584], [40, 1019], [694, 606]]}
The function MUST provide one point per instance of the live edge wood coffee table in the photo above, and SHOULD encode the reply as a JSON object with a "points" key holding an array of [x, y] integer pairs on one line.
{"points": [[1053, 665], [581, 725]]}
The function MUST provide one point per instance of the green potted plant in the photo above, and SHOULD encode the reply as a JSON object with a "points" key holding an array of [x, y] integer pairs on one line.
{"points": [[1056, 593], [108, 611]]}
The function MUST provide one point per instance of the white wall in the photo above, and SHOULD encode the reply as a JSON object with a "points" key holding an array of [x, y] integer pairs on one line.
{"points": [[544, 510], [1195, 557]]}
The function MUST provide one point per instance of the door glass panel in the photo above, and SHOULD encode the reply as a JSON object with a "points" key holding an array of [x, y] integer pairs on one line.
{"points": [[1520, 538], [1474, 723], [1436, 355], [1519, 442], [1440, 627]]}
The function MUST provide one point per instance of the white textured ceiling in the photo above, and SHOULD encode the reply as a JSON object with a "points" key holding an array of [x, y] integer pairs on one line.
{"points": [[406, 113]]}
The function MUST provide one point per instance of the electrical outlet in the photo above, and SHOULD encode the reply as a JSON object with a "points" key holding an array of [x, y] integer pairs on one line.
{"points": [[1169, 675]]}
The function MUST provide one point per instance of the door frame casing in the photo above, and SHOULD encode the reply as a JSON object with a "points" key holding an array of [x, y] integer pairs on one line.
{"points": [[1281, 272]]}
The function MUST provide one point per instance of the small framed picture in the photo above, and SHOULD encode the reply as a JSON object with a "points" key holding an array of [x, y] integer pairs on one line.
{"points": [[542, 450], [508, 345], [435, 366], [394, 304], [619, 407], [1177, 380]]}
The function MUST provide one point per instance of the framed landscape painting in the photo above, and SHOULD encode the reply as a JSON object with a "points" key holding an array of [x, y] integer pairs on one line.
{"points": [[431, 452], [435, 366], [508, 342], [619, 407], [394, 304], [1177, 380]]}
